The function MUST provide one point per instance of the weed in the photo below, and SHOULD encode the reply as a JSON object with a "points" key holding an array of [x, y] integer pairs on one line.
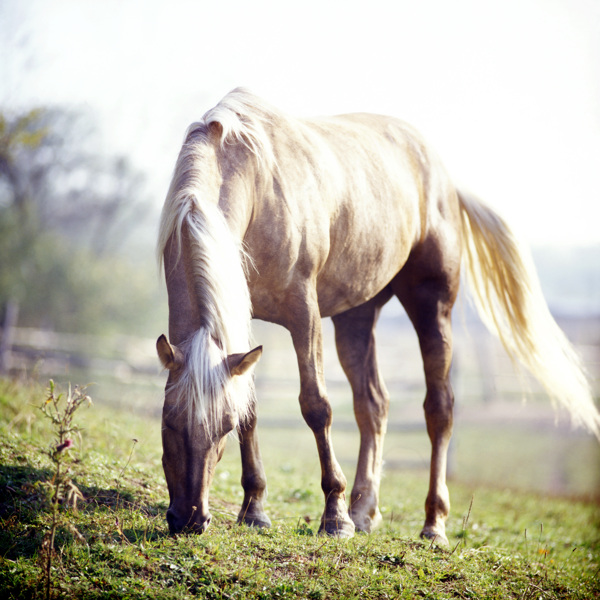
{"points": [[463, 534], [60, 410]]}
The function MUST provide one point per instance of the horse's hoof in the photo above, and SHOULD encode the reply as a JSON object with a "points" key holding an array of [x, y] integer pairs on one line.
{"points": [[366, 523], [436, 537], [338, 528], [261, 521]]}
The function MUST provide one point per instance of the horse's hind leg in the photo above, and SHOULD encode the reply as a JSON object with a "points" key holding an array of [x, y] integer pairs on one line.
{"points": [[428, 294], [355, 341]]}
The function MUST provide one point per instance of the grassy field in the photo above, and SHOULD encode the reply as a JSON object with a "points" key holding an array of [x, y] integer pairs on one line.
{"points": [[114, 543]]}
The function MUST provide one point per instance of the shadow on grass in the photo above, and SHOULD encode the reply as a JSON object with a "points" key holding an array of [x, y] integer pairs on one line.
{"points": [[114, 498], [25, 513], [124, 505], [20, 495], [21, 503]]}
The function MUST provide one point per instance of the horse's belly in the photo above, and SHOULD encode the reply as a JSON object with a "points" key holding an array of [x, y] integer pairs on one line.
{"points": [[352, 280], [340, 286]]}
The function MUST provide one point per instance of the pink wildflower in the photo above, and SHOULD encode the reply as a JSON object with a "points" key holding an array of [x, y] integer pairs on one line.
{"points": [[65, 445]]}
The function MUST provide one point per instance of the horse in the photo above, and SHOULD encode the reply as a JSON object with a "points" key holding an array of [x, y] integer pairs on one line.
{"points": [[293, 220]]}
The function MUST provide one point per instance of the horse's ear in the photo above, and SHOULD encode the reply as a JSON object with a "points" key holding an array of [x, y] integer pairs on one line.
{"points": [[240, 363], [215, 130], [170, 356]]}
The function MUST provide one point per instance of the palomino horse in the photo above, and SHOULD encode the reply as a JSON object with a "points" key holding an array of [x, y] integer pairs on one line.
{"points": [[291, 220]]}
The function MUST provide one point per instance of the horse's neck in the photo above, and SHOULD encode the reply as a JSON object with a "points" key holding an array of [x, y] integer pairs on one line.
{"points": [[185, 314], [240, 189]]}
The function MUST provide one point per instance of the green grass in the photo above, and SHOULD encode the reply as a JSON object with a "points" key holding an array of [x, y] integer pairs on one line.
{"points": [[116, 544]]}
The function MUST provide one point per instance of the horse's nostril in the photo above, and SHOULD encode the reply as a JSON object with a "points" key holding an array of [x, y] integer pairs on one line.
{"points": [[171, 520], [193, 524], [201, 525]]}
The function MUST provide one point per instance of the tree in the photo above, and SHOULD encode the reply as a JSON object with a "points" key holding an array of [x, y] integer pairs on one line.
{"points": [[54, 178], [64, 213]]}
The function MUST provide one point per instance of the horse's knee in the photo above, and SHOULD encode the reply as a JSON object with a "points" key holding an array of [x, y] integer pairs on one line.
{"points": [[316, 411], [371, 412], [254, 482]]}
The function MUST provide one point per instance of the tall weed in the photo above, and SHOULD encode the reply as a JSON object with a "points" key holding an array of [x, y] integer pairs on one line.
{"points": [[63, 494]]}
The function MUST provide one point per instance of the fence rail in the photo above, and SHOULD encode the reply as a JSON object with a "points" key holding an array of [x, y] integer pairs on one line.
{"points": [[24, 347]]}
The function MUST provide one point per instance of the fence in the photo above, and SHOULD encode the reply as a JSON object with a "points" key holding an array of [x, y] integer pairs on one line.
{"points": [[22, 348], [494, 431]]}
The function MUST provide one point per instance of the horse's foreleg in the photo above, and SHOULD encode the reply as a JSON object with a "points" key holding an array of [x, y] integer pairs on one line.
{"points": [[355, 341], [254, 481], [305, 329]]}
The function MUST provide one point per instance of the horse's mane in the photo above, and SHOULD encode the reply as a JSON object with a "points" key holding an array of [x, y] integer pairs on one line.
{"points": [[244, 118], [218, 260]]}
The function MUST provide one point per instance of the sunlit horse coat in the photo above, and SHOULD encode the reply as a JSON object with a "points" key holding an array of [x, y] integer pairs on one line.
{"points": [[290, 220]]}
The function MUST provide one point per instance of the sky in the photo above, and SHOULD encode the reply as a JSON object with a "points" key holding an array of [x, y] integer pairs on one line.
{"points": [[507, 92]]}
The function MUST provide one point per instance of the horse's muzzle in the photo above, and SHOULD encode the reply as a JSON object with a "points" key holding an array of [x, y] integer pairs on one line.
{"points": [[195, 523]]}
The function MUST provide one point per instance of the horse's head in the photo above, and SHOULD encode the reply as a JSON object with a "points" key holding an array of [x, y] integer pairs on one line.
{"points": [[200, 409]]}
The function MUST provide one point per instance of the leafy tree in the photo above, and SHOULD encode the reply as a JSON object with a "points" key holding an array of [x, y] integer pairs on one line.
{"points": [[53, 176], [64, 214]]}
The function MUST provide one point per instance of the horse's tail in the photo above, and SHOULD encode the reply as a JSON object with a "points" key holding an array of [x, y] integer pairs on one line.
{"points": [[509, 300]]}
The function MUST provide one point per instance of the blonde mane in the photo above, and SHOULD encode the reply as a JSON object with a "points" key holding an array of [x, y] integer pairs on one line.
{"points": [[217, 257]]}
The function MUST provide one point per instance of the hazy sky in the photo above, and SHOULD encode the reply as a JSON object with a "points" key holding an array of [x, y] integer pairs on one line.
{"points": [[508, 92]]}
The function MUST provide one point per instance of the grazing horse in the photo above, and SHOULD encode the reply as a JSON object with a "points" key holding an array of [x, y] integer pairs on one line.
{"points": [[290, 220]]}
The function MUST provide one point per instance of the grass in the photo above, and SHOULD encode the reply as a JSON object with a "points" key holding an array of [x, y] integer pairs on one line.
{"points": [[504, 544]]}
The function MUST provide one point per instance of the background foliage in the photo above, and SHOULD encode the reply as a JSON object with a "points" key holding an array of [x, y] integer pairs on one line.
{"points": [[71, 244]]}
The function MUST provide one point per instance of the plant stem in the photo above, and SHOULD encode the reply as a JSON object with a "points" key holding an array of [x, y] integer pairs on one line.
{"points": [[57, 478]]}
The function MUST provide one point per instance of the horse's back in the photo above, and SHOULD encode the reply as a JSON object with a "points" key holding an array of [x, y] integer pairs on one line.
{"points": [[352, 196]]}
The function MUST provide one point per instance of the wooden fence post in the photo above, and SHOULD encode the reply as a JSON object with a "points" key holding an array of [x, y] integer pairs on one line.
{"points": [[8, 329]]}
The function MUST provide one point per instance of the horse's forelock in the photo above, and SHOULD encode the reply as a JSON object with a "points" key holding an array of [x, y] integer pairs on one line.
{"points": [[205, 390]]}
